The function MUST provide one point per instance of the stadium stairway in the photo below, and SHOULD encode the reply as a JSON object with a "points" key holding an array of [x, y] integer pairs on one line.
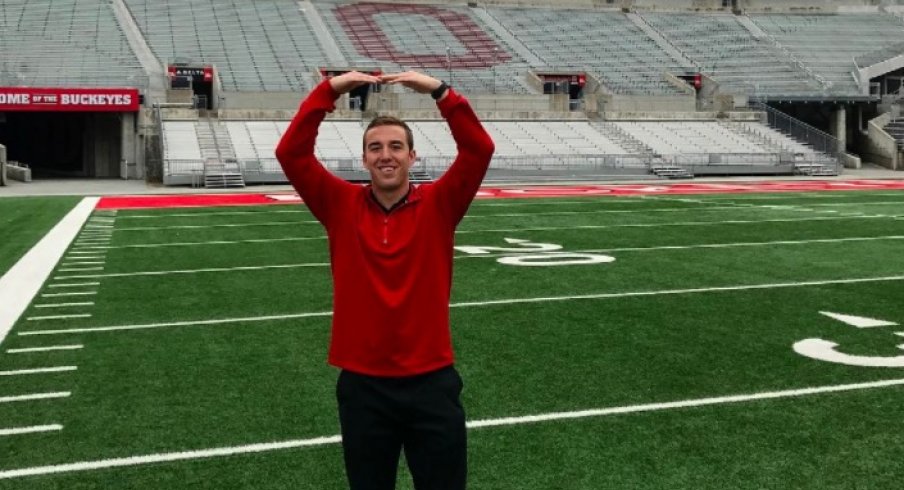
{"points": [[895, 128]]}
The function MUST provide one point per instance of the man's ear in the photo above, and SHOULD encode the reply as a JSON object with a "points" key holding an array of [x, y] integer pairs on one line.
{"points": [[412, 156]]}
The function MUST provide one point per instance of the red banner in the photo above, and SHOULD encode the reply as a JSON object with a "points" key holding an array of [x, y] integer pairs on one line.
{"points": [[34, 99]]}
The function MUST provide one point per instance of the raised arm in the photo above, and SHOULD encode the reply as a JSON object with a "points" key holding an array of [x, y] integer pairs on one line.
{"points": [[458, 186], [295, 152]]}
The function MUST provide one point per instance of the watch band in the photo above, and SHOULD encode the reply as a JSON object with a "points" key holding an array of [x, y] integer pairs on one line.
{"points": [[436, 94]]}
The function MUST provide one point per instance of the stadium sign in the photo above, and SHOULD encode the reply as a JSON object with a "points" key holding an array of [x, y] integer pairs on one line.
{"points": [[33, 99]]}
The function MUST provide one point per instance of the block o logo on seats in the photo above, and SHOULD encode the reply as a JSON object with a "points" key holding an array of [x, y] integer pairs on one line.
{"points": [[368, 37]]}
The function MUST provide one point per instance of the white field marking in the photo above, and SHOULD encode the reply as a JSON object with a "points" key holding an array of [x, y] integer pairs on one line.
{"points": [[513, 230], [222, 225], [630, 211], [90, 262], [190, 323], [58, 295], [57, 317], [64, 305], [680, 223], [81, 269], [85, 252], [216, 242], [22, 281], [708, 245], [744, 287], [74, 285], [86, 257], [599, 296], [196, 271], [13, 431], [503, 215], [474, 424], [54, 369], [48, 348], [857, 321], [215, 213], [34, 396]]}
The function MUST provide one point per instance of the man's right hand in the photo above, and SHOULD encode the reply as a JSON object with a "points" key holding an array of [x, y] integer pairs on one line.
{"points": [[351, 80]]}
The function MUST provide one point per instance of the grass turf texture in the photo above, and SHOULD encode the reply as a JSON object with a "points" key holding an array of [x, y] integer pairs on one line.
{"points": [[177, 388], [25, 220]]}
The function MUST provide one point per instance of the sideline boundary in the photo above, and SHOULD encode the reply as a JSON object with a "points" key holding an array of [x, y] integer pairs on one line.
{"points": [[21, 283]]}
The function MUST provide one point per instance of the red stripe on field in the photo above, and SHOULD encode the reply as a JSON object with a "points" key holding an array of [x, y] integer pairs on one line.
{"points": [[210, 200]]}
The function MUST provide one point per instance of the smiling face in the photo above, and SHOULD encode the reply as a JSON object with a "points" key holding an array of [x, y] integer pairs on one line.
{"points": [[388, 156]]}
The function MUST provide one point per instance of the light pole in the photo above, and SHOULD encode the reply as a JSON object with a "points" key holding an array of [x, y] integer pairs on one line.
{"points": [[495, 57], [449, 63]]}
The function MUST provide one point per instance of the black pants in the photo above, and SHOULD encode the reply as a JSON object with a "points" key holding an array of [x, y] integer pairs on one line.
{"points": [[422, 414]]}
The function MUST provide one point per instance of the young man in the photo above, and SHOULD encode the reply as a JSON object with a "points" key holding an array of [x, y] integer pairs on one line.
{"points": [[391, 256]]}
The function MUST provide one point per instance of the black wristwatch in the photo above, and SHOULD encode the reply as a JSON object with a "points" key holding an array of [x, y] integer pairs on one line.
{"points": [[436, 94]]}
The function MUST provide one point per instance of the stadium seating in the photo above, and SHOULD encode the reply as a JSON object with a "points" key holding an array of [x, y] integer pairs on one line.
{"points": [[623, 56], [265, 45], [725, 50], [827, 44], [406, 38], [65, 43]]}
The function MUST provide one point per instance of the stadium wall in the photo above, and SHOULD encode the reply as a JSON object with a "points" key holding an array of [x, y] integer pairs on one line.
{"points": [[2, 165], [880, 147]]}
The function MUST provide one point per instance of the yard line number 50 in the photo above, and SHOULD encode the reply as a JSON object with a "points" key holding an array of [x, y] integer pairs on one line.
{"points": [[529, 254]]}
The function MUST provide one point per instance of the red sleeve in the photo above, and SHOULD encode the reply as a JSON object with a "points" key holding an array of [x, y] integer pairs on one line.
{"points": [[458, 186], [295, 152]]}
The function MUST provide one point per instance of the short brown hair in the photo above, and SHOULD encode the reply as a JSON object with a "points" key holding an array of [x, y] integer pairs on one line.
{"points": [[391, 121]]}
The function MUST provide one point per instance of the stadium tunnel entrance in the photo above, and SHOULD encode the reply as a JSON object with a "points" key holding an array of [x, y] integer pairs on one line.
{"points": [[78, 133]]}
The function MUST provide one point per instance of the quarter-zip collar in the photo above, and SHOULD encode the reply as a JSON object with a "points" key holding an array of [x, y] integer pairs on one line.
{"points": [[411, 195]]}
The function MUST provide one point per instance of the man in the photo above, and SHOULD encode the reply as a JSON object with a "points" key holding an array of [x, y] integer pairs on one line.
{"points": [[391, 256]]}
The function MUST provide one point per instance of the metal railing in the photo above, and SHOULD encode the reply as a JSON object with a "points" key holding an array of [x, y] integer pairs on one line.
{"points": [[817, 139]]}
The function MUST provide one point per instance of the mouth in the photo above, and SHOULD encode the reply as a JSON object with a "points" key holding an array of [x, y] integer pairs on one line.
{"points": [[386, 169]]}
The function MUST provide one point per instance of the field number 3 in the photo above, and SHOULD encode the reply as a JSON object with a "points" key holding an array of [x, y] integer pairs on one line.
{"points": [[531, 254]]}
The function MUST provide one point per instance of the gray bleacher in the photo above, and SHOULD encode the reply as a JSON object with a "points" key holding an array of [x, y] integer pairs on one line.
{"points": [[625, 58], [827, 43], [728, 52], [412, 33], [264, 45], [65, 43]]}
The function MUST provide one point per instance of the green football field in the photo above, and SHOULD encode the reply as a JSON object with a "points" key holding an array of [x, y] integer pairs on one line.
{"points": [[743, 341]]}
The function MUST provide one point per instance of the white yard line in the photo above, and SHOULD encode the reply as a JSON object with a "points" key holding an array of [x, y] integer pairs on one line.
{"points": [[470, 304], [505, 230], [671, 224], [215, 213], [194, 271], [625, 249], [34, 396], [14, 431], [223, 225], [57, 317], [54, 369], [81, 269], [64, 305], [692, 247], [220, 452], [74, 285], [59, 295], [23, 280], [745, 287], [189, 323], [48, 348]]}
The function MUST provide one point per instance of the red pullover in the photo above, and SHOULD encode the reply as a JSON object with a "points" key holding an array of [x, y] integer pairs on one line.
{"points": [[392, 272]]}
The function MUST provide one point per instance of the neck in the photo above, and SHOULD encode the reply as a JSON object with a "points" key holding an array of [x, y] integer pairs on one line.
{"points": [[387, 198]]}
